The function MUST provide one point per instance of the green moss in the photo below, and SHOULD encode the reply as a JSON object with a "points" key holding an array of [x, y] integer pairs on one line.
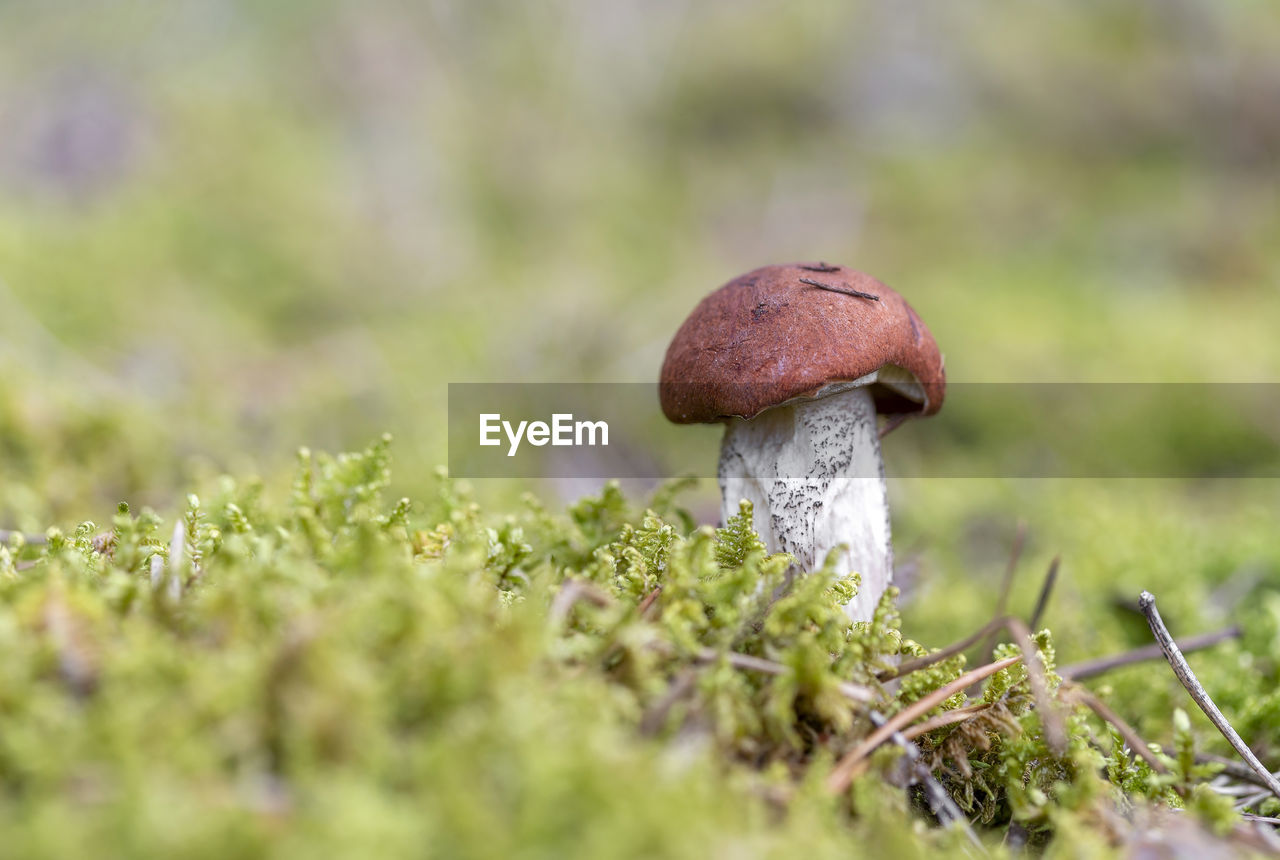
{"points": [[340, 672]]}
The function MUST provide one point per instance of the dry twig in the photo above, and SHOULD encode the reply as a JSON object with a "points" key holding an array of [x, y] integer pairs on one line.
{"points": [[1011, 568], [848, 291], [847, 767], [917, 663], [947, 718], [1046, 591], [1182, 669], [1130, 735], [1091, 668], [944, 808], [655, 716], [851, 691], [648, 601], [573, 591], [1006, 586], [1232, 768], [1055, 732]]}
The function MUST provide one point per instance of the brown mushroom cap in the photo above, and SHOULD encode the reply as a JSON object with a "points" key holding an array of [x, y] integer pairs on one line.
{"points": [[767, 337]]}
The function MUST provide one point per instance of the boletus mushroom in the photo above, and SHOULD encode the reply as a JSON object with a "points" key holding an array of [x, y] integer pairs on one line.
{"points": [[797, 360]]}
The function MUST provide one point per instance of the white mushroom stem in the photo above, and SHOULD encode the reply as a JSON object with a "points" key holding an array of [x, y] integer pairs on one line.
{"points": [[812, 470]]}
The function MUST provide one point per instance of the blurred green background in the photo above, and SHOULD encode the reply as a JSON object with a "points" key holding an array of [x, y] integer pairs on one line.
{"points": [[228, 229]]}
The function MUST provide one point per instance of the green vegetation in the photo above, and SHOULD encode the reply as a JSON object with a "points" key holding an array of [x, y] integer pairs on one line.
{"points": [[231, 228], [334, 671]]}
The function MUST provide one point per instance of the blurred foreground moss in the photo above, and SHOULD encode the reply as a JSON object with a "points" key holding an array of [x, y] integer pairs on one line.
{"points": [[340, 674]]}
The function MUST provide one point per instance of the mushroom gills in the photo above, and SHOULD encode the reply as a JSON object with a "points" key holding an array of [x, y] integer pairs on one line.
{"points": [[812, 471]]}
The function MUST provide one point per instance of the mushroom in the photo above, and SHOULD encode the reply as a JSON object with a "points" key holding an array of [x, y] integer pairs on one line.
{"points": [[796, 360]]}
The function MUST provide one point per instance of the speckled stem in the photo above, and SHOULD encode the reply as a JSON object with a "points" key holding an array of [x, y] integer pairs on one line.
{"points": [[813, 472]]}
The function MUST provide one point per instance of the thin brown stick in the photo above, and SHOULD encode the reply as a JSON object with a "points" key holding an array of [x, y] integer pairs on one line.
{"points": [[1181, 668], [1046, 591], [842, 775], [1091, 668], [656, 716], [1011, 567], [851, 691], [1055, 730], [648, 601], [1006, 585], [573, 591], [946, 718], [1130, 735], [1253, 800], [944, 808], [915, 664], [848, 291], [1055, 733], [1000, 621], [1231, 768]]}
